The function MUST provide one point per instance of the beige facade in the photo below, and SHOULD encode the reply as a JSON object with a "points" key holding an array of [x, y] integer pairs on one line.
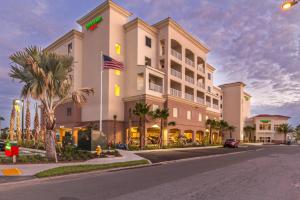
{"points": [[236, 107], [164, 66], [266, 128]]}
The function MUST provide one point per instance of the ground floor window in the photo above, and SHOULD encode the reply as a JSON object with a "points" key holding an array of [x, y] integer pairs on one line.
{"points": [[265, 139]]}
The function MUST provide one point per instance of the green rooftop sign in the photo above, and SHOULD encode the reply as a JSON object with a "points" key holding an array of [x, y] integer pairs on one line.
{"points": [[91, 25], [265, 121]]}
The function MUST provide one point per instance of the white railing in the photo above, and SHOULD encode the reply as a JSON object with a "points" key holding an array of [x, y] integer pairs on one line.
{"points": [[189, 62], [155, 87], [208, 104], [200, 100], [189, 97], [201, 85], [175, 92], [176, 73], [189, 79], [200, 68], [215, 106], [176, 54]]}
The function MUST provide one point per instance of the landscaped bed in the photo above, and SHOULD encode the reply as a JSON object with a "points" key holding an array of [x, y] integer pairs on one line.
{"points": [[87, 168]]}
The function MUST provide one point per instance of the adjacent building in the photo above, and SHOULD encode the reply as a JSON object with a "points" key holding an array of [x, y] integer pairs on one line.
{"points": [[165, 66]]}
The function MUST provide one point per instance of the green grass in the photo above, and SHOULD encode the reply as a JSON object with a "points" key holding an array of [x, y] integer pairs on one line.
{"points": [[87, 168]]}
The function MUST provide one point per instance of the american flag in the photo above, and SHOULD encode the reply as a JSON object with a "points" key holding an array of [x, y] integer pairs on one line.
{"points": [[110, 63]]}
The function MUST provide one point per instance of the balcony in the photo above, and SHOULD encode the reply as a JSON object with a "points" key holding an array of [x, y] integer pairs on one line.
{"points": [[201, 85], [176, 73], [176, 54], [174, 92], [189, 79], [189, 97], [200, 100], [208, 104], [155, 87], [215, 106], [189, 62], [200, 68]]}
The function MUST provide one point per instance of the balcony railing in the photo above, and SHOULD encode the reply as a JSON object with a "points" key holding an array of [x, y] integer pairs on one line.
{"points": [[208, 104], [189, 97], [189, 62], [200, 68], [215, 106], [176, 54], [176, 73], [200, 85], [189, 79], [174, 92], [200, 100], [155, 87]]}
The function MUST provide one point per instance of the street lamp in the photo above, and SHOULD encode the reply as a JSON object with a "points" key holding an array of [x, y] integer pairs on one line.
{"points": [[288, 4]]}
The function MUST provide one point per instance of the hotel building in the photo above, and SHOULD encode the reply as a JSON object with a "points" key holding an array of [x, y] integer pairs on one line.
{"points": [[165, 66]]}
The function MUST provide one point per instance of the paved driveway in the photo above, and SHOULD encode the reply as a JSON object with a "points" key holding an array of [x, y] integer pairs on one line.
{"points": [[162, 156]]}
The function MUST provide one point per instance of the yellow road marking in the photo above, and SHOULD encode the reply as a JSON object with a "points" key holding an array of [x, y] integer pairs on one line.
{"points": [[11, 172]]}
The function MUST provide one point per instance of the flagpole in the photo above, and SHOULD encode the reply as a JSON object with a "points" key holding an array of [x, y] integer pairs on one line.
{"points": [[101, 90]]}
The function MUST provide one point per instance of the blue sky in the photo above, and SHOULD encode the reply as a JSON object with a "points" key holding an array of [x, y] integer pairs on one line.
{"points": [[250, 41]]}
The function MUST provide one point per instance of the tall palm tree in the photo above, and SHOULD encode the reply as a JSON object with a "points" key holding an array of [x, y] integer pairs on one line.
{"points": [[249, 130], [223, 126], [162, 115], [12, 123], [1, 119], [46, 77], [18, 126], [115, 129], [141, 110], [36, 124], [285, 129], [28, 121], [212, 125], [231, 129]]}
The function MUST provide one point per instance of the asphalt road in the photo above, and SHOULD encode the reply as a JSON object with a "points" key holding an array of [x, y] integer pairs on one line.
{"points": [[271, 173]]}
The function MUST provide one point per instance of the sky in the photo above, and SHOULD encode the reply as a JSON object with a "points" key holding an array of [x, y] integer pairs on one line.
{"points": [[250, 40]]}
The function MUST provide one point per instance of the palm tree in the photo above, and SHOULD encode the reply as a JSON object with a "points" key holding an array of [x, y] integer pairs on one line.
{"points": [[1, 119], [128, 135], [115, 129], [223, 126], [212, 125], [28, 121], [12, 123], [249, 130], [141, 110], [36, 124], [162, 115], [285, 129], [231, 129], [46, 77]]}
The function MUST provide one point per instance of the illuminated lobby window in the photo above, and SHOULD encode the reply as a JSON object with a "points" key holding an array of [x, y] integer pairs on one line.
{"points": [[117, 90], [118, 48], [117, 72]]}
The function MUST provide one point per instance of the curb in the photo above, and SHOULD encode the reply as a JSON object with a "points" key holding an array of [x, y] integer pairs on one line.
{"points": [[175, 149]]}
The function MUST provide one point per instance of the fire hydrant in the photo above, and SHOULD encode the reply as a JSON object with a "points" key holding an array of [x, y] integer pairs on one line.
{"points": [[98, 150]]}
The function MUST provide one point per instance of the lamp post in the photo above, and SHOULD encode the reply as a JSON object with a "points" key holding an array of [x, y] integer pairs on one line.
{"points": [[289, 4]]}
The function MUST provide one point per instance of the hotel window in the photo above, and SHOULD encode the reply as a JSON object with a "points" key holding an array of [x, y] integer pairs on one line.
{"points": [[221, 106], [117, 90], [276, 127], [70, 48], [155, 107], [209, 88], [209, 76], [175, 112], [118, 48], [265, 126], [148, 61], [69, 111], [117, 72], [140, 81], [200, 117], [148, 41], [189, 115]]}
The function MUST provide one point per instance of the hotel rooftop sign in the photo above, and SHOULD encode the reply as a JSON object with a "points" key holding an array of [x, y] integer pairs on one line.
{"points": [[91, 25]]}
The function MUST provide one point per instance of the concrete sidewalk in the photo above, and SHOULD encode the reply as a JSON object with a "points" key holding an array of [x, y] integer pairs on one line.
{"points": [[32, 169]]}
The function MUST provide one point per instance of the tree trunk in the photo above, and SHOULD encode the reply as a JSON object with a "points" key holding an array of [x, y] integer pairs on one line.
{"points": [[285, 138], [141, 134], [50, 145], [115, 131], [210, 139], [250, 137], [230, 134]]}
